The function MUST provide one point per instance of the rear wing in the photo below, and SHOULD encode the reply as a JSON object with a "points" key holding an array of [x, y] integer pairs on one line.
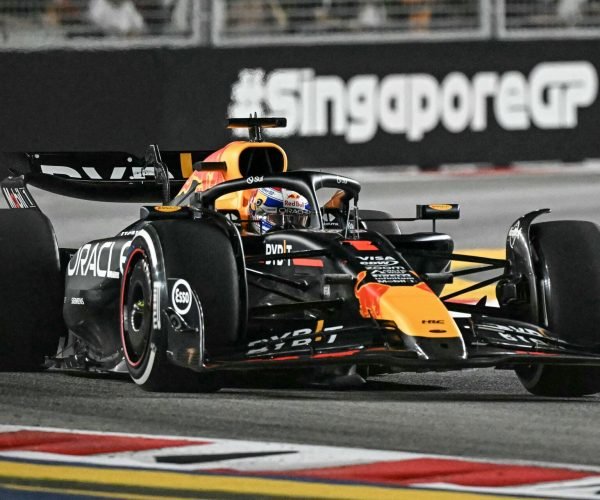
{"points": [[102, 176], [124, 177]]}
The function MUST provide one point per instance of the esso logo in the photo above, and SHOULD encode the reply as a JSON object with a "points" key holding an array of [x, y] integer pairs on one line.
{"points": [[181, 297]]}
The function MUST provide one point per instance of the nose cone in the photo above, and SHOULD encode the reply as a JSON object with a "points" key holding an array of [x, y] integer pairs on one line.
{"points": [[419, 314], [440, 349]]}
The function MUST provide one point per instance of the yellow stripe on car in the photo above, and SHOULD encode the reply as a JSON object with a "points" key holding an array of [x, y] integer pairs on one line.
{"points": [[460, 283], [185, 159]]}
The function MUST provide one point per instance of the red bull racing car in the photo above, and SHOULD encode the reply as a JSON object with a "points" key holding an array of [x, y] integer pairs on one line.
{"points": [[198, 288]]}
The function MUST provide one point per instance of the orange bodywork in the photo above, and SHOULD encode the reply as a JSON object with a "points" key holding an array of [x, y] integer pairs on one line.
{"points": [[207, 178], [416, 310], [335, 201], [232, 153]]}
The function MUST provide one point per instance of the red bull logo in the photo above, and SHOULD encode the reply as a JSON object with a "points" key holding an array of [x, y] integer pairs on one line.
{"points": [[208, 179], [369, 296], [294, 200], [204, 179]]}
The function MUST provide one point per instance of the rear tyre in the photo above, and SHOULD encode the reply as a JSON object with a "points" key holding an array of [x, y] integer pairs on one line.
{"points": [[31, 290], [567, 257]]}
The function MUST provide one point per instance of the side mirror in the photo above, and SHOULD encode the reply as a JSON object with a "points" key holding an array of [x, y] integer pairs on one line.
{"points": [[438, 211]]}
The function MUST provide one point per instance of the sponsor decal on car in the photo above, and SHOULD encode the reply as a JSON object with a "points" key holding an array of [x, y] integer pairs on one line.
{"points": [[181, 297], [514, 234], [252, 180], [369, 296], [18, 197], [278, 249], [441, 207], [387, 270], [377, 261], [98, 260], [514, 333], [293, 339], [167, 208], [90, 173], [156, 305], [394, 276]]}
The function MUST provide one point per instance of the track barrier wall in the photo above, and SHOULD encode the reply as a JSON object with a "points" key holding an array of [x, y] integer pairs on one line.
{"points": [[347, 105]]}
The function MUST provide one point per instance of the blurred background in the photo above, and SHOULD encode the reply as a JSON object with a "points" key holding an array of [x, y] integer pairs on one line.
{"points": [[496, 101], [362, 82], [123, 23]]}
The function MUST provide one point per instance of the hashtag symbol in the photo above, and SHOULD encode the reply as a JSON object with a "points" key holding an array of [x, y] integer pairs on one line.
{"points": [[248, 94]]}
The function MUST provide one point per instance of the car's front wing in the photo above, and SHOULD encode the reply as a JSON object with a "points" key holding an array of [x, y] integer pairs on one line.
{"points": [[489, 341]]}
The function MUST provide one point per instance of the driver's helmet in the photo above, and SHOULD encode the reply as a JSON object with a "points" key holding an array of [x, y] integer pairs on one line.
{"points": [[277, 207]]}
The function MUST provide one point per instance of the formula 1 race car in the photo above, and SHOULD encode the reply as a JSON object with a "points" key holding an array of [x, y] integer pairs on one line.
{"points": [[188, 293]]}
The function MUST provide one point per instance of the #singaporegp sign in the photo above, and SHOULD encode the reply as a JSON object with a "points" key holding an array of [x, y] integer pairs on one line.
{"points": [[414, 104]]}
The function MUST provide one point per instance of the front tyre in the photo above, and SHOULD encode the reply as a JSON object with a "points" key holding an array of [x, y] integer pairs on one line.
{"points": [[139, 347], [560, 381], [144, 343], [137, 331], [567, 260]]}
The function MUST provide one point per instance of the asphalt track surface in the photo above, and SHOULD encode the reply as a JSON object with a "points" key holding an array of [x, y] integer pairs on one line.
{"points": [[482, 413]]}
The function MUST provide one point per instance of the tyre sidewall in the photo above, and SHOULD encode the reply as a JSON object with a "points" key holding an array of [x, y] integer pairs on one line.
{"points": [[145, 370]]}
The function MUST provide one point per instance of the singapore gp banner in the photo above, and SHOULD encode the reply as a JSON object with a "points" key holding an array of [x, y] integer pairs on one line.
{"points": [[347, 105]]}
